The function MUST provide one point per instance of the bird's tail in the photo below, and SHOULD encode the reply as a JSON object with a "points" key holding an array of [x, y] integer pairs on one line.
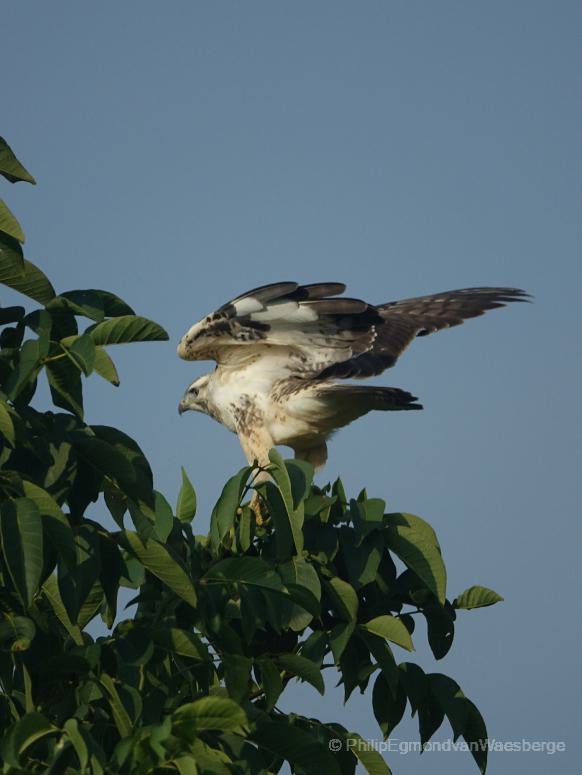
{"points": [[370, 397], [342, 404]]}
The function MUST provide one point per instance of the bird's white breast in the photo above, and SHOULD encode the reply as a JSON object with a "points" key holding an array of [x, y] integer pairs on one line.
{"points": [[233, 389]]}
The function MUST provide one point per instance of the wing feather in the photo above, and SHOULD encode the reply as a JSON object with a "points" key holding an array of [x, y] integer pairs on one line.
{"points": [[307, 320], [325, 336], [403, 321]]}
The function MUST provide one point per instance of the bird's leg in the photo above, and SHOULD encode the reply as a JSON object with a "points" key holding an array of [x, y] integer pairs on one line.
{"points": [[256, 444], [316, 454], [257, 504]]}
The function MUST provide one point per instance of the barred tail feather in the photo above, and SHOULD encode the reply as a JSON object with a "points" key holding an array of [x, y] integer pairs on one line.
{"points": [[338, 405], [368, 398]]}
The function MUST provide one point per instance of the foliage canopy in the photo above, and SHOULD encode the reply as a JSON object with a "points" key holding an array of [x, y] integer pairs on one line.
{"points": [[223, 622]]}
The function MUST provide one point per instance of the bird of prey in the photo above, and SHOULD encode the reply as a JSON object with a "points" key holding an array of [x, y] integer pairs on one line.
{"points": [[280, 350]]}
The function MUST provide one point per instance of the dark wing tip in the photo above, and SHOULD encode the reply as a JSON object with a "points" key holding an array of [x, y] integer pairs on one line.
{"points": [[503, 294], [493, 294]]}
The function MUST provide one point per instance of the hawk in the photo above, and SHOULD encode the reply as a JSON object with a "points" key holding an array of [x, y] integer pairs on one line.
{"points": [[280, 350]]}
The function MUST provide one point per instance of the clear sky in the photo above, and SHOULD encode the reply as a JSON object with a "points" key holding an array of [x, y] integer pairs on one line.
{"points": [[187, 151]]}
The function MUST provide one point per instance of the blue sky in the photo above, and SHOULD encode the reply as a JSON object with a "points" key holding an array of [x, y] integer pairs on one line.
{"points": [[187, 151]]}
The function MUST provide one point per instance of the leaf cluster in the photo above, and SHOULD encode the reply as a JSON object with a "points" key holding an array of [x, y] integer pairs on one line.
{"points": [[223, 623]]}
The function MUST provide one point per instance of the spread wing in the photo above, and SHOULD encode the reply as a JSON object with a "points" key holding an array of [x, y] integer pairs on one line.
{"points": [[307, 323], [402, 321], [327, 337]]}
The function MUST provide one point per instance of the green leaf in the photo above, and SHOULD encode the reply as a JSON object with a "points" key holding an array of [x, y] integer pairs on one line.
{"points": [[22, 546], [182, 642], [301, 749], [245, 570], [451, 699], [305, 606], [10, 167], [339, 639], [53, 595], [300, 577], [224, 512], [30, 281], [390, 628], [11, 315], [245, 526], [415, 684], [361, 557], [271, 682], [186, 765], [388, 709], [301, 477], [92, 303], [301, 572], [158, 560], [384, 656], [86, 303], [295, 515], [315, 646], [24, 733], [143, 522], [164, 517], [26, 369], [430, 718], [135, 647], [76, 736], [114, 306], [217, 713], [186, 505], [64, 380], [140, 484], [475, 734], [6, 424], [105, 367], [127, 328], [120, 715], [237, 669], [368, 517], [54, 522], [8, 223], [82, 351], [440, 622], [279, 472], [318, 506], [105, 458], [415, 543], [77, 584], [302, 668], [40, 321], [16, 632], [368, 756], [91, 605], [11, 255], [476, 597], [282, 522], [345, 598]]}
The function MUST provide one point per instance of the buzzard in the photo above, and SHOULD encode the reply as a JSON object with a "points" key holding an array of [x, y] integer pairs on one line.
{"points": [[281, 348]]}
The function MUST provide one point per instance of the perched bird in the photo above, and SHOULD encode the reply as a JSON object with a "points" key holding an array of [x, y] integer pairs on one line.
{"points": [[280, 348]]}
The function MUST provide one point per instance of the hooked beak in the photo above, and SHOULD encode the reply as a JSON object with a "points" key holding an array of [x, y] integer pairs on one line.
{"points": [[182, 408]]}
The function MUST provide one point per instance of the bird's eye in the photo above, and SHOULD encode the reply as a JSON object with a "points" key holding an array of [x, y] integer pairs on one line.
{"points": [[193, 391]]}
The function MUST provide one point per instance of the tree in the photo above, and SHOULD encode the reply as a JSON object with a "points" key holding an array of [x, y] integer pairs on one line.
{"points": [[223, 622]]}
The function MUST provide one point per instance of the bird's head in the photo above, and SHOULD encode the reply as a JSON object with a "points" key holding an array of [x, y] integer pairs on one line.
{"points": [[195, 397]]}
